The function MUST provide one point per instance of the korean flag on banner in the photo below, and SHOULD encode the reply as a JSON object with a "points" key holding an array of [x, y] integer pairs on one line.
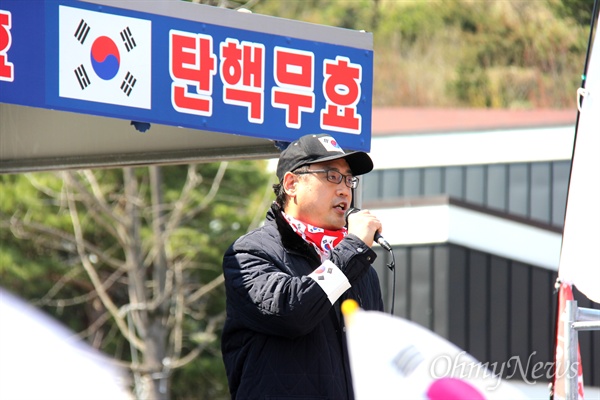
{"points": [[104, 58]]}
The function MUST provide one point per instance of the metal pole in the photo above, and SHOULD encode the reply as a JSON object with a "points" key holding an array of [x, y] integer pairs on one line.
{"points": [[586, 326], [588, 314], [570, 343], [588, 319]]}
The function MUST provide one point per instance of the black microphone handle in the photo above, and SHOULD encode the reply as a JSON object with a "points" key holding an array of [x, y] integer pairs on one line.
{"points": [[382, 242], [377, 237]]}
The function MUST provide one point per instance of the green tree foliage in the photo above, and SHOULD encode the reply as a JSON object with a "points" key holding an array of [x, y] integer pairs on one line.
{"points": [[56, 226], [579, 10], [463, 53]]}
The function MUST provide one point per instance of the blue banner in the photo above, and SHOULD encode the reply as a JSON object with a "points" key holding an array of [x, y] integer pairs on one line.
{"points": [[92, 59]]}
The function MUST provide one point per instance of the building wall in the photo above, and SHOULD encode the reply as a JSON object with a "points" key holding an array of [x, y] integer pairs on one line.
{"points": [[494, 308], [536, 191], [495, 300]]}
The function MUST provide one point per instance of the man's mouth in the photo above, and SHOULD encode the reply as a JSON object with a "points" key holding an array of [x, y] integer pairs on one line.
{"points": [[342, 206]]}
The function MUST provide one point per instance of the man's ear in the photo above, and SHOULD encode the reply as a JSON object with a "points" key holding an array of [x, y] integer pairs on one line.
{"points": [[289, 183]]}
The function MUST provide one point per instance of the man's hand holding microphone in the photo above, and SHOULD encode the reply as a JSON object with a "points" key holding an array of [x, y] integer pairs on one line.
{"points": [[366, 226]]}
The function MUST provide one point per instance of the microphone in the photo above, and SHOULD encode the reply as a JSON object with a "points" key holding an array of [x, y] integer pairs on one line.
{"points": [[377, 238]]}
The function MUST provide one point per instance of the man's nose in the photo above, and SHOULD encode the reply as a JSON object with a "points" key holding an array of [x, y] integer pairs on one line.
{"points": [[342, 189]]}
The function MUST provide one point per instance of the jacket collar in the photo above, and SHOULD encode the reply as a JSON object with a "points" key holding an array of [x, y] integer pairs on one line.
{"points": [[290, 239]]}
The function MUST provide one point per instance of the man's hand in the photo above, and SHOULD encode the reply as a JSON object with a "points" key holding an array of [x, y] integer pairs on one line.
{"points": [[364, 225]]}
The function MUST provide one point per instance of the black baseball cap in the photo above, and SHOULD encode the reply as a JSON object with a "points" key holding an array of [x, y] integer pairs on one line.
{"points": [[310, 149]]}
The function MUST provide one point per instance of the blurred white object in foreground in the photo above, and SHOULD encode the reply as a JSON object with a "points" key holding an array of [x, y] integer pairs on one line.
{"points": [[392, 358], [40, 359]]}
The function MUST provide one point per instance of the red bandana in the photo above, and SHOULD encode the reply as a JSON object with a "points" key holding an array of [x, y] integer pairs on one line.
{"points": [[323, 240]]}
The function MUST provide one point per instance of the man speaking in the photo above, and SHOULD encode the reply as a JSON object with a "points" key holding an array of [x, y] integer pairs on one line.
{"points": [[284, 332]]}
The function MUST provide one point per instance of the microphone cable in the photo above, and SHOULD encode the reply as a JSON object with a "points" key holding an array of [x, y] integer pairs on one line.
{"points": [[386, 246], [392, 266]]}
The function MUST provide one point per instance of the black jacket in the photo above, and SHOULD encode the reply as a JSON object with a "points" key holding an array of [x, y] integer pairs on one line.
{"points": [[282, 337]]}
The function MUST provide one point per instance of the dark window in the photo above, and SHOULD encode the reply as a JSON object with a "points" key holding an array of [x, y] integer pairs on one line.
{"points": [[412, 182], [560, 186], [370, 186], [432, 182], [496, 186], [440, 290], [518, 189], [532, 190], [540, 191], [475, 184], [420, 282], [454, 182], [391, 182], [403, 282]]}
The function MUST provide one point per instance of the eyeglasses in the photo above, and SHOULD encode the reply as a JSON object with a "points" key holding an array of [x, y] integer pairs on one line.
{"points": [[333, 176]]}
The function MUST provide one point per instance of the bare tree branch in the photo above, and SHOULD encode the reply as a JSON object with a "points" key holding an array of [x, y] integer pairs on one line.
{"points": [[259, 213], [161, 281], [135, 271], [130, 228], [98, 195], [177, 332], [48, 299], [94, 204], [211, 193], [32, 178], [192, 181], [58, 239], [206, 289], [106, 300], [95, 326], [208, 333], [214, 188]]}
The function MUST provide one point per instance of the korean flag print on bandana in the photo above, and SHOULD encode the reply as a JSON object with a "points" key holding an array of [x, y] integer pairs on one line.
{"points": [[323, 240]]}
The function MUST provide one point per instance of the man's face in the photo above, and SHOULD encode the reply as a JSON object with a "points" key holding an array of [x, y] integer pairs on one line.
{"points": [[317, 201]]}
